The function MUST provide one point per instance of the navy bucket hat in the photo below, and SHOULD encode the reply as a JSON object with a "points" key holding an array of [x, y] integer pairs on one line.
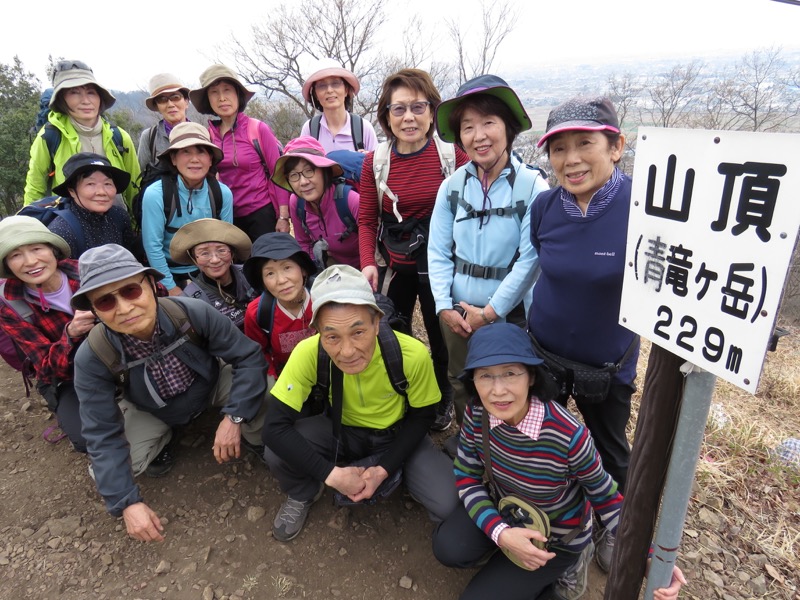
{"points": [[275, 246], [499, 344]]}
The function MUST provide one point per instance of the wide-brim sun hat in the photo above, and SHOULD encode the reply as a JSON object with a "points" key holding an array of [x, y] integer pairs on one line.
{"points": [[188, 134], [274, 246], [106, 264], [491, 85], [212, 75], [581, 114], [162, 84], [328, 67], [202, 231], [19, 230], [75, 73], [307, 148], [499, 344], [341, 284], [84, 162]]}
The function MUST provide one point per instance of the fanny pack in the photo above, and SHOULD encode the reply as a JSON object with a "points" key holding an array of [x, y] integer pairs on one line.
{"points": [[581, 381], [385, 489], [404, 245]]}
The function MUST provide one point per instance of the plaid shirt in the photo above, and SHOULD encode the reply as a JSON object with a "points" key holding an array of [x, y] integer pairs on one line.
{"points": [[44, 341], [170, 374]]}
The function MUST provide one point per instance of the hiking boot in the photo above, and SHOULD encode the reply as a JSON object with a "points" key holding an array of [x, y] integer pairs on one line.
{"points": [[256, 449], [572, 583], [605, 550], [444, 416], [292, 516], [161, 464]]}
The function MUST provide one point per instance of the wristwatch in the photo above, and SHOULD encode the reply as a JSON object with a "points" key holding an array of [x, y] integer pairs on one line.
{"points": [[235, 420]]}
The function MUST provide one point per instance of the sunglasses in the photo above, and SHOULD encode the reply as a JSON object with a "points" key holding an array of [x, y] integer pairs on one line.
{"points": [[108, 302], [308, 173], [69, 65], [174, 98], [399, 110]]}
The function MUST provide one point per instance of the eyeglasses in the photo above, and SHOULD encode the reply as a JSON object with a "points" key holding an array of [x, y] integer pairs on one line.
{"points": [[174, 98], [308, 173], [321, 86], [205, 256], [109, 301], [486, 380], [399, 110]]}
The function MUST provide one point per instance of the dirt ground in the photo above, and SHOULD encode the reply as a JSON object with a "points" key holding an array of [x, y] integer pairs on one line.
{"points": [[58, 542]]}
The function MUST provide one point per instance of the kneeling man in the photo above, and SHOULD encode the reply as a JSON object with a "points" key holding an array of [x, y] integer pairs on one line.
{"points": [[153, 364], [366, 416]]}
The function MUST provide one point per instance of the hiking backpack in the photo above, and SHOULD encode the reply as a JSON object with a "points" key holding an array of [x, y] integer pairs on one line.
{"points": [[51, 208], [351, 163], [104, 350], [356, 129], [341, 191], [171, 202]]}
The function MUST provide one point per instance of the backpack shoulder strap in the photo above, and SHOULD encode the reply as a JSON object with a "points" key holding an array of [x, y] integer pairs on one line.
{"points": [[152, 141], [104, 350], [116, 137], [301, 214], [447, 155], [380, 169], [314, 125], [455, 191], [177, 314], [22, 308], [522, 188], [214, 196], [52, 139], [340, 194], [169, 195], [357, 131], [252, 133], [265, 315], [393, 358]]}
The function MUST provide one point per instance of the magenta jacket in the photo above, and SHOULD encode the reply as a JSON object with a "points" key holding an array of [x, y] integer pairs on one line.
{"points": [[329, 226], [241, 169]]}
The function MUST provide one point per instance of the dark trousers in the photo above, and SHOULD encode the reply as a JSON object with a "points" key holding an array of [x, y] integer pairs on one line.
{"points": [[606, 422], [258, 222], [427, 473], [403, 291], [459, 542], [62, 400]]}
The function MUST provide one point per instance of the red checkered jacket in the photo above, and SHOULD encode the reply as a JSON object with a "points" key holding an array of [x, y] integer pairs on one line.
{"points": [[44, 341]]}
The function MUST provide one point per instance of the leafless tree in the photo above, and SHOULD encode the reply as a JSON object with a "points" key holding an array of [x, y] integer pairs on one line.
{"points": [[476, 53], [762, 94], [345, 30], [670, 97]]}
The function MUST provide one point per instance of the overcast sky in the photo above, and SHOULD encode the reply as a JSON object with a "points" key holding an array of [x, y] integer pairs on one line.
{"points": [[133, 40]]}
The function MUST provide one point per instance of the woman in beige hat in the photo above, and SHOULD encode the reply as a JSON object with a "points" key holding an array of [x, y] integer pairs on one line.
{"points": [[35, 312], [218, 250], [251, 151], [187, 193], [330, 89], [76, 124], [170, 98]]}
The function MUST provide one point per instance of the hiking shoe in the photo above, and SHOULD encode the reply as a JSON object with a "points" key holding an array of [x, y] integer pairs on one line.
{"points": [[161, 464], [256, 449], [605, 550], [292, 516], [572, 583], [444, 416]]}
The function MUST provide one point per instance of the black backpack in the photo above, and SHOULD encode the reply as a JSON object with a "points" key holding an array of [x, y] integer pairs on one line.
{"points": [[169, 188], [356, 129]]}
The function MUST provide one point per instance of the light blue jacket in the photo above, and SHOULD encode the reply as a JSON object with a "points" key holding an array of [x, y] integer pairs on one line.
{"points": [[155, 236], [493, 244]]}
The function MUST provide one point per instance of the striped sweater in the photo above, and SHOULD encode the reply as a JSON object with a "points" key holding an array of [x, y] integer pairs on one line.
{"points": [[561, 473]]}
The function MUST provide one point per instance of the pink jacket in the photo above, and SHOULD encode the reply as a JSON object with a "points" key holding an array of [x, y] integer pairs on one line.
{"points": [[326, 224], [241, 169]]}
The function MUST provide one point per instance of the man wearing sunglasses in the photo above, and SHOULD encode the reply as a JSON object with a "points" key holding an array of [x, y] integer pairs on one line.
{"points": [[166, 367]]}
